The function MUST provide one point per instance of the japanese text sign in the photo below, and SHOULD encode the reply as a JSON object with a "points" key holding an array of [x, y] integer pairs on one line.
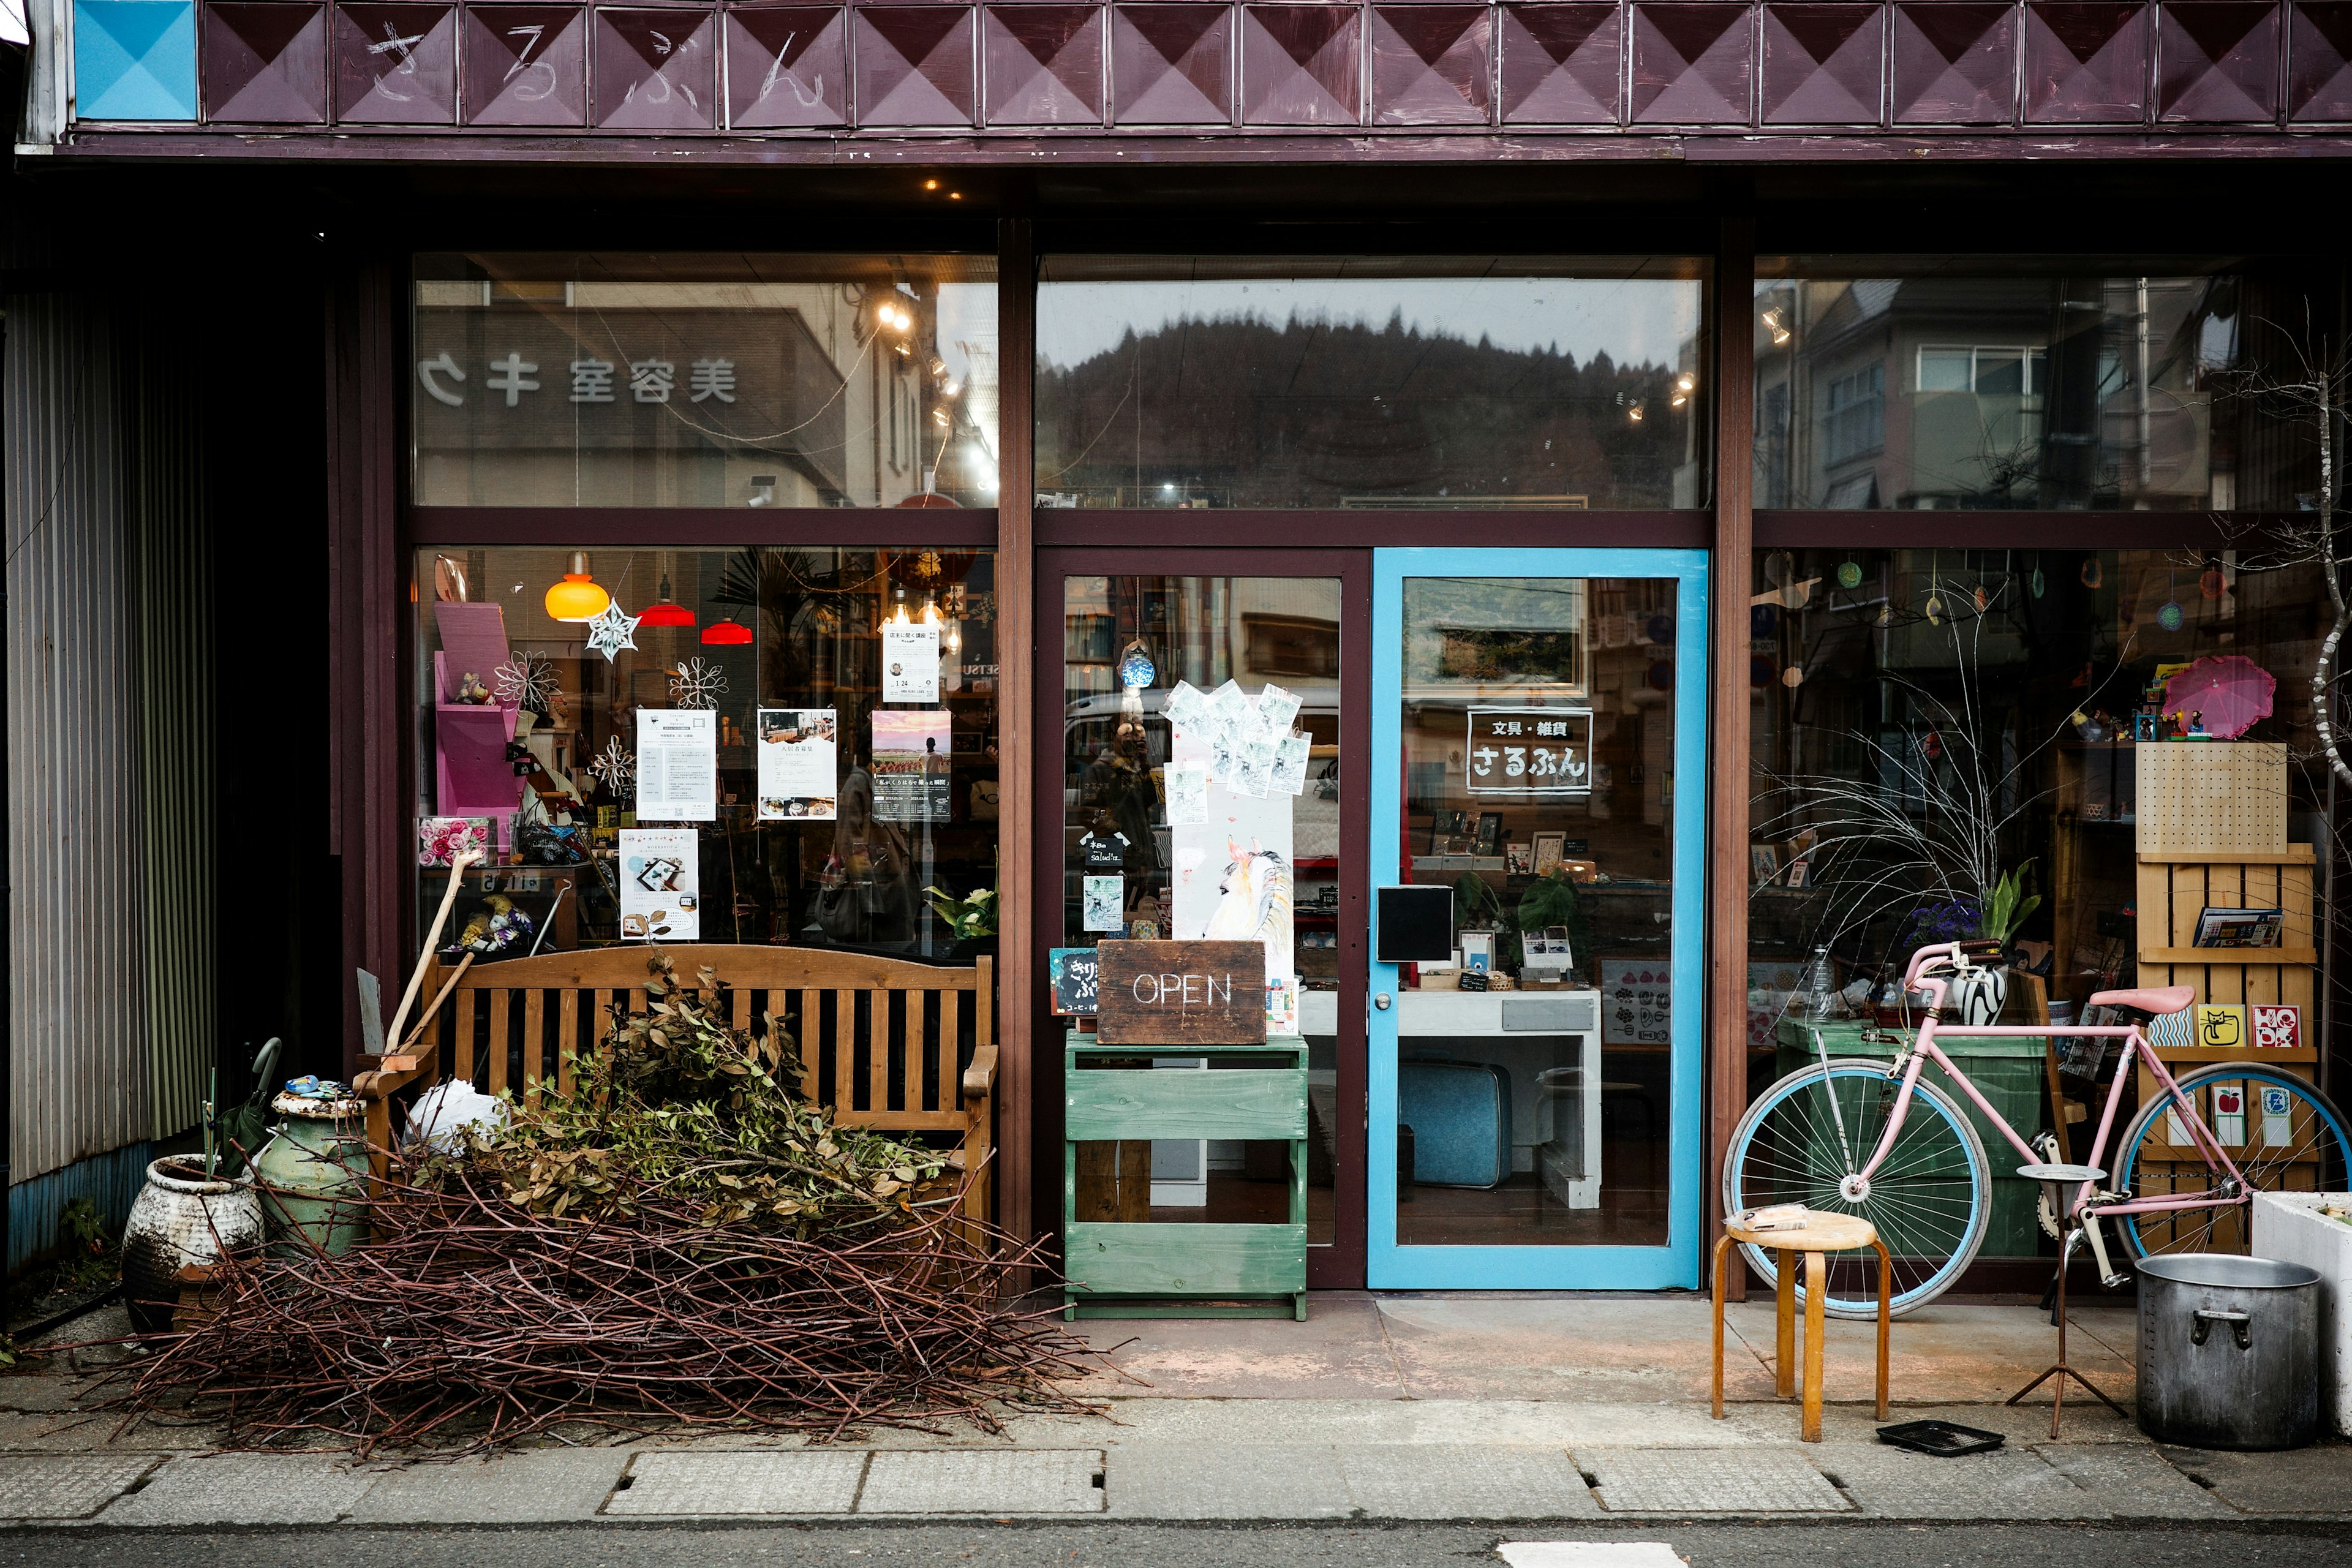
{"points": [[1530, 751]]}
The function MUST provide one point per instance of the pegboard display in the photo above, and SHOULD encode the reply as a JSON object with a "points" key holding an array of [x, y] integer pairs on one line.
{"points": [[2210, 797]]}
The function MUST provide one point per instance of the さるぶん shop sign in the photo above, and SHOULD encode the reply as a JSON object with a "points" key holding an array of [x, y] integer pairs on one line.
{"points": [[1530, 751]]}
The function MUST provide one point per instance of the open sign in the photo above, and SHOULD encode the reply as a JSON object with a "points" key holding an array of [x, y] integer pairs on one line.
{"points": [[1181, 994]]}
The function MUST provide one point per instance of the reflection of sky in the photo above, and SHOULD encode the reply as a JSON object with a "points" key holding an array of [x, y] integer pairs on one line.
{"points": [[1637, 320]]}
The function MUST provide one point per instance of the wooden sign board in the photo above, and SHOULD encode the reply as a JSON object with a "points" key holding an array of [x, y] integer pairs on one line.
{"points": [[1181, 994]]}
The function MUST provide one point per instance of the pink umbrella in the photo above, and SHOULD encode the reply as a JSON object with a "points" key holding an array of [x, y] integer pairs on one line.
{"points": [[2231, 691]]}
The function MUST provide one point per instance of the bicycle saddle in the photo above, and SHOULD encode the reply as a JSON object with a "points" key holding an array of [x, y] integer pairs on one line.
{"points": [[2152, 1000]]}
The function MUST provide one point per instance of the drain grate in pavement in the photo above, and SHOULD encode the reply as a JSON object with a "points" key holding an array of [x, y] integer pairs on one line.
{"points": [[1709, 1480], [793, 1482], [65, 1486], [1588, 1554], [1035, 1480]]}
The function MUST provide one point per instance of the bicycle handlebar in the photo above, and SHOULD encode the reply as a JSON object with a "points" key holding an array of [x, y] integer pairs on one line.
{"points": [[1928, 965]]}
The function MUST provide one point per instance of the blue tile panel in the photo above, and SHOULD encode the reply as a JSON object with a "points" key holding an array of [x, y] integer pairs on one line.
{"points": [[135, 59]]}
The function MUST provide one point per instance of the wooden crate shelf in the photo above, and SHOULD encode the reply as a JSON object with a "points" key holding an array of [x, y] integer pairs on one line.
{"points": [[2174, 888], [1132, 1266]]}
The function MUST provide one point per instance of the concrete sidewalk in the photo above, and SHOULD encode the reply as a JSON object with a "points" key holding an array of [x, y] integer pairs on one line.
{"points": [[1391, 1407]]}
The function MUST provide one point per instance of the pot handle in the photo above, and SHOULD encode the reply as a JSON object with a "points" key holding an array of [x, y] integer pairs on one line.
{"points": [[2241, 1327]]}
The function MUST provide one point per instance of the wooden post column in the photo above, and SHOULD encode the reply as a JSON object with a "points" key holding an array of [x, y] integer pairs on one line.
{"points": [[1016, 703], [1731, 570]]}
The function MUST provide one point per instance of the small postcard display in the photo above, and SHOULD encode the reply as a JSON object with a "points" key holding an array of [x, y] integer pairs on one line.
{"points": [[1636, 1001], [1204, 1000], [798, 762]]}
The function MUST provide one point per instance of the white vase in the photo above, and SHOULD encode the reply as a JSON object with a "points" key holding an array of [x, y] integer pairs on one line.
{"points": [[1979, 997]]}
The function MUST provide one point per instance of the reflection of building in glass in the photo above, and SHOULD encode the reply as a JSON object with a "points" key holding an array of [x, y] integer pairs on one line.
{"points": [[719, 383], [1997, 392]]}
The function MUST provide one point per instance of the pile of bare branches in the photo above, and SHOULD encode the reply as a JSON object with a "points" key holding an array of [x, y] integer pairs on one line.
{"points": [[472, 1321]]}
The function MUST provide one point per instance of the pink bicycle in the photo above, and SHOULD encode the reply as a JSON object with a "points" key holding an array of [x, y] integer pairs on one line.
{"points": [[1867, 1137]]}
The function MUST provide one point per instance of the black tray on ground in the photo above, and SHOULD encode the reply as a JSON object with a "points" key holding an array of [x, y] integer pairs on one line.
{"points": [[1945, 1439]]}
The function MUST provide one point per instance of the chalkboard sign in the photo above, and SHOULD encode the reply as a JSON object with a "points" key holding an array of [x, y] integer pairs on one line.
{"points": [[1182, 993], [1074, 972]]}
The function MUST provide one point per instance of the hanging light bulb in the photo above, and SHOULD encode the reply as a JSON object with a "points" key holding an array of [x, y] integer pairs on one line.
{"points": [[577, 597], [664, 613], [726, 632]]}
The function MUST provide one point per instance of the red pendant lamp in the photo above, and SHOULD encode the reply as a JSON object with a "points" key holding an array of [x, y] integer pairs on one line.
{"points": [[664, 613], [725, 633]]}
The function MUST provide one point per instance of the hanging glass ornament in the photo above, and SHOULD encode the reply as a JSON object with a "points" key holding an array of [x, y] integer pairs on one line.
{"points": [[2210, 584], [2091, 574], [1135, 665], [1849, 573], [2035, 584], [1984, 600], [2169, 615]]}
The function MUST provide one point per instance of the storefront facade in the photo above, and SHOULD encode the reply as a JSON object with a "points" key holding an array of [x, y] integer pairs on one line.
{"points": [[788, 469]]}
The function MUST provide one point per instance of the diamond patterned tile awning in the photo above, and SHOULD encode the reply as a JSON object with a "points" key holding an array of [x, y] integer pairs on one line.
{"points": [[2319, 62], [1299, 64], [2086, 61], [1172, 65], [135, 59], [1043, 64], [395, 65], [264, 63], [1692, 62], [1675, 67], [914, 65], [1561, 64], [1433, 65], [526, 65], [787, 65], [656, 70], [1955, 63], [1821, 64], [2217, 61]]}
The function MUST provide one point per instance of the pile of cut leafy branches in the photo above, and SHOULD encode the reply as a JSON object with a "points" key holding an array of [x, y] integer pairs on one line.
{"points": [[682, 1104], [678, 1237]]}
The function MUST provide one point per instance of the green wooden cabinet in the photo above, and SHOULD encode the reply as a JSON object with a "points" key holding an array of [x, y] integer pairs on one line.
{"points": [[1255, 1092]]}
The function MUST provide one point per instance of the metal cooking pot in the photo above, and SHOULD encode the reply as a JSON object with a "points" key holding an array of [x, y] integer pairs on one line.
{"points": [[2229, 1351]]}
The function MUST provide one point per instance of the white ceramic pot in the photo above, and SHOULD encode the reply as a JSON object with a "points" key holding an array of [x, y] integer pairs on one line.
{"points": [[1977, 996], [181, 1220]]}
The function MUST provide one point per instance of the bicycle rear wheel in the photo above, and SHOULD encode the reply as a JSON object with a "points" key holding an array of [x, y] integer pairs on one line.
{"points": [[1929, 1200], [2284, 1135]]}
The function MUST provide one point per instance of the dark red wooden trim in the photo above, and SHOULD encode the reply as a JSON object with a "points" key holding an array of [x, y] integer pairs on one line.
{"points": [[1340, 1265], [1258, 530], [639, 527], [1098, 149], [369, 819], [1730, 569], [2013, 530], [1024, 1167]]}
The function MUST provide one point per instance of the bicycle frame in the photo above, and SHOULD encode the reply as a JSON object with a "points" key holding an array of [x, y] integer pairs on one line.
{"points": [[2136, 1047]]}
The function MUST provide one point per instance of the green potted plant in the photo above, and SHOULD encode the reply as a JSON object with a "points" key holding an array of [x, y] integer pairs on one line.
{"points": [[971, 918]]}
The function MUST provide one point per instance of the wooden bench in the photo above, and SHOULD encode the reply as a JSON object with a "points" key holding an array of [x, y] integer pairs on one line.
{"points": [[884, 1043]]}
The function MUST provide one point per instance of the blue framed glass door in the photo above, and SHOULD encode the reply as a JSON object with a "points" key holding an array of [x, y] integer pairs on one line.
{"points": [[1539, 743]]}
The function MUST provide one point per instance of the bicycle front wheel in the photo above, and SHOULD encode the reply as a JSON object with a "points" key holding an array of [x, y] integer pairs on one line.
{"points": [[2284, 1135], [1929, 1200]]}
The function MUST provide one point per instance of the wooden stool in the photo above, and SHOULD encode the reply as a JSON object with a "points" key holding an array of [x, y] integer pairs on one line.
{"points": [[1804, 1233]]}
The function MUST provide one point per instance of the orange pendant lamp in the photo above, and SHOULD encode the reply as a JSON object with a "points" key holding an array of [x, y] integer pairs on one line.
{"points": [[577, 597], [664, 613]]}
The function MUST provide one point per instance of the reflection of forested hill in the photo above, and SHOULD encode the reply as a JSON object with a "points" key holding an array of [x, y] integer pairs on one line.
{"points": [[1248, 413]]}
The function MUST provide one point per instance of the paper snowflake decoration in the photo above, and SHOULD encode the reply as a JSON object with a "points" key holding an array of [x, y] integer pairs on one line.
{"points": [[612, 630], [616, 769], [694, 684], [527, 681]]}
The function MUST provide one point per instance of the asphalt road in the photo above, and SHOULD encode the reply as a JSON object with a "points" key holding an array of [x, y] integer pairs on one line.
{"points": [[1161, 1546]]}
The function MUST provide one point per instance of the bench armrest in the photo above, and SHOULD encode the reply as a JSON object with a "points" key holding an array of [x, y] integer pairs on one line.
{"points": [[979, 1078]]}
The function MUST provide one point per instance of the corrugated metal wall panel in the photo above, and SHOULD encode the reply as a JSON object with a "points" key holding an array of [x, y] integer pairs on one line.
{"points": [[172, 565], [110, 1182], [77, 954]]}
